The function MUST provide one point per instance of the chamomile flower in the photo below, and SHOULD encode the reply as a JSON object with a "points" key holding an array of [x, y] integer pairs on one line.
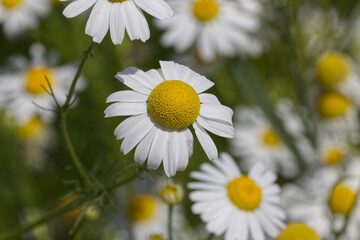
{"points": [[118, 15], [163, 104], [337, 115], [256, 140], [148, 215], [333, 150], [25, 89], [297, 231], [240, 206], [337, 71], [214, 27], [17, 16]]}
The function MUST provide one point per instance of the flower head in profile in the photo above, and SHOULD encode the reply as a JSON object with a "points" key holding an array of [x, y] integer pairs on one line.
{"points": [[214, 27], [25, 88], [17, 16], [238, 205], [118, 15], [162, 105]]}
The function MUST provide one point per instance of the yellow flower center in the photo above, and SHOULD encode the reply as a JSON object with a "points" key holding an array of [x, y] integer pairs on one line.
{"points": [[333, 156], [205, 10], [270, 138], [36, 82], [332, 105], [10, 3], [342, 199], [174, 104], [332, 69], [172, 193], [116, 1], [244, 193], [31, 128], [142, 208], [298, 231], [157, 237]]}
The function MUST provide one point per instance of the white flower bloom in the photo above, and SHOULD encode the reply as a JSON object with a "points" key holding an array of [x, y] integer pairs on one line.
{"points": [[17, 16], [337, 71], [214, 27], [163, 104], [118, 15], [241, 206], [256, 140], [24, 90], [333, 150]]}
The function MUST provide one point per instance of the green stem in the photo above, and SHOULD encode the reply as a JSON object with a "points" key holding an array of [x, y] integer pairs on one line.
{"points": [[170, 230], [85, 57], [63, 112], [71, 149], [56, 213], [134, 175]]}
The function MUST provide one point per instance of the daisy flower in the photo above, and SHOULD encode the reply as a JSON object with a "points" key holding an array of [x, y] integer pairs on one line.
{"points": [[337, 71], [337, 114], [241, 206], [256, 140], [17, 16], [297, 230], [118, 15], [333, 150], [148, 215], [162, 104], [25, 89], [214, 27]]}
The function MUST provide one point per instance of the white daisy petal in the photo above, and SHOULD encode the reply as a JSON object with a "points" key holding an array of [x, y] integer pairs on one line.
{"points": [[135, 24], [218, 128], [158, 149], [143, 149], [206, 142], [127, 96], [216, 112], [207, 98], [117, 23], [123, 128], [77, 7], [157, 8], [125, 109]]}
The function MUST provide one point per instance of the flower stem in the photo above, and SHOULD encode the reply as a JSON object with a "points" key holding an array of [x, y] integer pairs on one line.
{"points": [[170, 230], [63, 113]]}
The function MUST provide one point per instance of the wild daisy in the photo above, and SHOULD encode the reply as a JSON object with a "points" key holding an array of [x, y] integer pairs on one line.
{"points": [[214, 27], [17, 16], [256, 140], [333, 150], [336, 70], [163, 104], [298, 231], [118, 15], [241, 206], [24, 89], [148, 215]]}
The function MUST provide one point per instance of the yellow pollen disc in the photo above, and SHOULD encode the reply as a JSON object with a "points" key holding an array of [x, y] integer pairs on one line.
{"points": [[36, 81], [270, 138], [342, 199], [156, 237], [332, 105], [116, 1], [333, 68], [333, 156], [244, 193], [205, 10], [142, 208], [298, 231], [31, 128], [10, 3], [174, 104]]}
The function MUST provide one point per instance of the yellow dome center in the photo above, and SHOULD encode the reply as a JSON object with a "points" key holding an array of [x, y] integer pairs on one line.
{"points": [[31, 128], [270, 138], [342, 199], [332, 105], [333, 68], [333, 156], [156, 237], [36, 82], [174, 104], [244, 193], [142, 208], [298, 231], [116, 1], [205, 10], [10, 3]]}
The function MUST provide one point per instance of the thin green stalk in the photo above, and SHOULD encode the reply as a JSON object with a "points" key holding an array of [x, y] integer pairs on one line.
{"points": [[56, 213], [63, 113], [71, 149], [170, 228]]}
